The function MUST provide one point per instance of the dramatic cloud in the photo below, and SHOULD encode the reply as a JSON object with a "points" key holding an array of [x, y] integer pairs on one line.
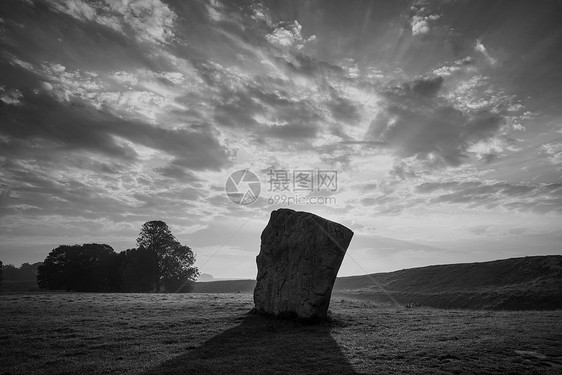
{"points": [[149, 20], [113, 113], [427, 87], [553, 152], [480, 48], [292, 131], [414, 121], [421, 24], [492, 195], [53, 115], [458, 66], [10, 96], [289, 35], [422, 20]]}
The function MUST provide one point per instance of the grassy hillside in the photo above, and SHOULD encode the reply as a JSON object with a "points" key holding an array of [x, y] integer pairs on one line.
{"points": [[529, 283], [537, 271], [94, 333]]}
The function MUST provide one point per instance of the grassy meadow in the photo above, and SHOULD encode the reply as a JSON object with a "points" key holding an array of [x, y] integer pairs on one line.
{"points": [[68, 333]]}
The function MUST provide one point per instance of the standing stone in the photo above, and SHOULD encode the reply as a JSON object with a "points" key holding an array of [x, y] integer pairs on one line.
{"points": [[298, 262]]}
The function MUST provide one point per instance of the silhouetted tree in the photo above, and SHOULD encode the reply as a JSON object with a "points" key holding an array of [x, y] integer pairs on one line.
{"points": [[1, 272], [138, 270], [26, 272], [10, 271], [175, 260], [81, 268]]}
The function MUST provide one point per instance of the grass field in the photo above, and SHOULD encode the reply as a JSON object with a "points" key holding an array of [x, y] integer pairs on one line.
{"points": [[212, 334]]}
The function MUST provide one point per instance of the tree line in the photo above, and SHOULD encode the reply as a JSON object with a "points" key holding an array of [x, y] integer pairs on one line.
{"points": [[26, 272], [159, 263]]}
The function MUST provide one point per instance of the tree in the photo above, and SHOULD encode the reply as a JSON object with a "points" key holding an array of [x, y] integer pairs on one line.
{"points": [[138, 270], [10, 272], [26, 272], [1, 271], [175, 260], [53, 274], [81, 268]]}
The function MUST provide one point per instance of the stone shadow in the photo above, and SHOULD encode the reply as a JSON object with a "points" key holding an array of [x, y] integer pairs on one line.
{"points": [[263, 345]]}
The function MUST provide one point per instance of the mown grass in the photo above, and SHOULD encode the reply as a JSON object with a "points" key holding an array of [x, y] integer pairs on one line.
{"points": [[212, 334]]}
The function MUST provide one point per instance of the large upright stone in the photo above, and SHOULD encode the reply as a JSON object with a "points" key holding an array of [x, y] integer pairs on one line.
{"points": [[298, 262]]}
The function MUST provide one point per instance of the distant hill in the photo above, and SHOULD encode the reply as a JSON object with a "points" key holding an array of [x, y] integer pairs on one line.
{"points": [[529, 283]]}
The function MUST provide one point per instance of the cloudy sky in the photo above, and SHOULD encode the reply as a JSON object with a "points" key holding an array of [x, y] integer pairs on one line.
{"points": [[441, 120]]}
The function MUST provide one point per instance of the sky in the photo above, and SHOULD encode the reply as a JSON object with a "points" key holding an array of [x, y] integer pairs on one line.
{"points": [[433, 130]]}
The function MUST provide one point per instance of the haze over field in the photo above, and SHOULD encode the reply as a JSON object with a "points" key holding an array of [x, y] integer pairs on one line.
{"points": [[441, 120]]}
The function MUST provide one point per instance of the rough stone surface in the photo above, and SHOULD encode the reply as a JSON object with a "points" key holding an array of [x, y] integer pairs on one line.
{"points": [[298, 262]]}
